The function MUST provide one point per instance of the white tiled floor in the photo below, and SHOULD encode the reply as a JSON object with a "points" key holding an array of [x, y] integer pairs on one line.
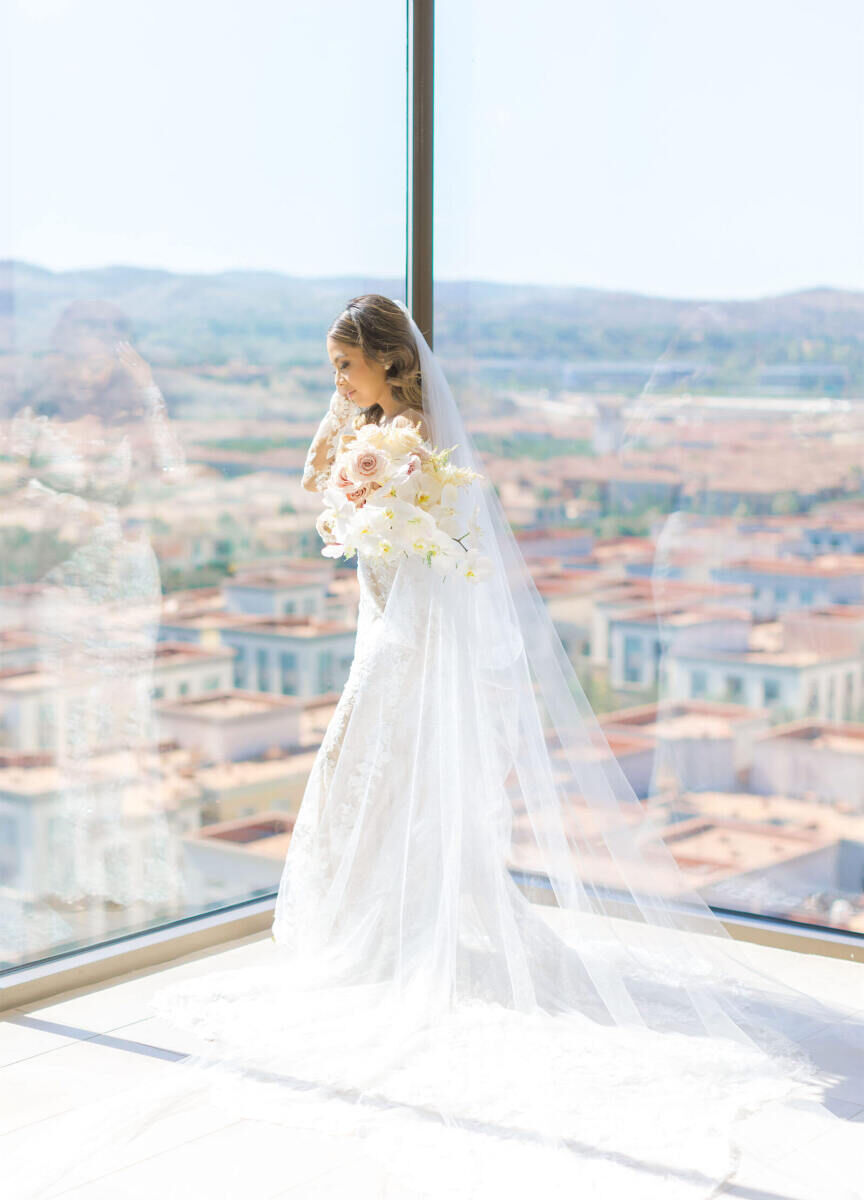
{"points": [[103, 1040]]}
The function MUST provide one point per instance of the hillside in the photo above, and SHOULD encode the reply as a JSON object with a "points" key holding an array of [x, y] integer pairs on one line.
{"points": [[591, 339]]}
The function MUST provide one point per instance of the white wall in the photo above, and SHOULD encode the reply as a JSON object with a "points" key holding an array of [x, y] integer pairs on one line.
{"points": [[222, 741], [793, 766]]}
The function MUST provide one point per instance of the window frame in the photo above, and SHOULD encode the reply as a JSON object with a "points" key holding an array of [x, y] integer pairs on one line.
{"points": [[251, 918]]}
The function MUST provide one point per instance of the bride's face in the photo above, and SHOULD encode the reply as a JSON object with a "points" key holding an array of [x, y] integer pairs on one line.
{"points": [[355, 376]]}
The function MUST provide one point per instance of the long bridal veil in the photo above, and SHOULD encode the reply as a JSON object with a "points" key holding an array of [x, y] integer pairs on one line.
{"points": [[490, 969]]}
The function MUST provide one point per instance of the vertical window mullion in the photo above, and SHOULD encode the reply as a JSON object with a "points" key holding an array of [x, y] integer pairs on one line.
{"points": [[420, 66]]}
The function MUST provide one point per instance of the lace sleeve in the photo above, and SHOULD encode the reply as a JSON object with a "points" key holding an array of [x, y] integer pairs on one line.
{"points": [[322, 451], [169, 455]]}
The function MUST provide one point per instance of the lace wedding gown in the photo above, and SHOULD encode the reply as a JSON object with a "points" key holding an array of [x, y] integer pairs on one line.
{"points": [[355, 832]]}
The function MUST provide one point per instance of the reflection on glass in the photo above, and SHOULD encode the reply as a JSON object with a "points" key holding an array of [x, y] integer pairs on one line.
{"points": [[89, 831], [172, 643]]}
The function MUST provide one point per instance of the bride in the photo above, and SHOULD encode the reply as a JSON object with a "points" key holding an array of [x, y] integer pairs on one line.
{"points": [[488, 971]]}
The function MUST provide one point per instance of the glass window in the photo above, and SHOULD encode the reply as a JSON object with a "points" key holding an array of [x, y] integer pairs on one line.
{"points": [[618, 303], [849, 697], [734, 688], [217, 231], [326, 680], [262, 657], [10, 850], [698, 683], [289, 677], [609, 262], [633, 655]]}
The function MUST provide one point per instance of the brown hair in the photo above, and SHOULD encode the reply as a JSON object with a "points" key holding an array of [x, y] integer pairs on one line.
{"points": [[380, 329]]}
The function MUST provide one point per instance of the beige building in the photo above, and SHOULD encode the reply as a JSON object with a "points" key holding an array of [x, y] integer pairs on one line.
{"points": [[231, 790], [233, 858], [812, 760], [229, 726], [698, 745]]}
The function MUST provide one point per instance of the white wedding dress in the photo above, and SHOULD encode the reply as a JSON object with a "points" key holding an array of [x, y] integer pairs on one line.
{"points": [[612, 1041], [445, 1033]]}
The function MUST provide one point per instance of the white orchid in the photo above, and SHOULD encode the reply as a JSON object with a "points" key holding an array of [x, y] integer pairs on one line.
{"points": [[442, 559], [474, 566], [325, 522], [474, 530]]}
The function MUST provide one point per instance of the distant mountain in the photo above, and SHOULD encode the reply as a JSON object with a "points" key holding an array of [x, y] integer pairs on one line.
{"points": [[811, 340]]}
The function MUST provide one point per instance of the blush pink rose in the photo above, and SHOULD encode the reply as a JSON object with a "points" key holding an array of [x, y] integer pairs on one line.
{"points": [[358, 496], [367, 464], [341, 480]]}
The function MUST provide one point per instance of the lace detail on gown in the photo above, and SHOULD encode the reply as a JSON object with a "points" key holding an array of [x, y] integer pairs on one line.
{"points": [[348, 816], [346, 799], [376, 578], [338, 420]]}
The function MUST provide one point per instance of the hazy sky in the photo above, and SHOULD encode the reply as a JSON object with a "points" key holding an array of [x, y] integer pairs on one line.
{"points": [[676, 147]]}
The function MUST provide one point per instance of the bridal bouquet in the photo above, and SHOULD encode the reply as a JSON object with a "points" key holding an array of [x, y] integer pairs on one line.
{"points": [[389, 495]]}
